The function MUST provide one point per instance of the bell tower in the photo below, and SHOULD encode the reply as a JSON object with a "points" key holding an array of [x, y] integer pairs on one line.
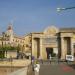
{"points": [[9, 33]]}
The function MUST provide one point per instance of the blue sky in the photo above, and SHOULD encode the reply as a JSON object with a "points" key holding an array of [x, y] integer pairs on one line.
{"points": [[35, 15]]}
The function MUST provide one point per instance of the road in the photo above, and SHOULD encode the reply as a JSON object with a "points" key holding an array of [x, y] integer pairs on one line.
{"points": [[56, 69]]}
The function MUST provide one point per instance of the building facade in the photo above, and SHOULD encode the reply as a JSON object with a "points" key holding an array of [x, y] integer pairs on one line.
{"points": [[57, 42], [9, 39], [53, 41]]}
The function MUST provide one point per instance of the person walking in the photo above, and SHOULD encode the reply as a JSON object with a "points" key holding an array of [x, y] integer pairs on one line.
{"points": [[50, 58], [40, 60], [32, 62], [37, 68]]}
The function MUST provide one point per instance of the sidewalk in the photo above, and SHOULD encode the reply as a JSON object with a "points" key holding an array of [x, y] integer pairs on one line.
{"points": [[22, 71], [19, 62], [6, 67]]}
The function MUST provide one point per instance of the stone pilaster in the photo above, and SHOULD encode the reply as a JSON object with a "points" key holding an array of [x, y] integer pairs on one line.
{"points": [[62, 49], [72, 48], [32, 47], [41, 48]]}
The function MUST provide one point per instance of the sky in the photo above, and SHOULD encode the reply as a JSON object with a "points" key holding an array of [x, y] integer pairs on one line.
{"points": [[35, 15]]}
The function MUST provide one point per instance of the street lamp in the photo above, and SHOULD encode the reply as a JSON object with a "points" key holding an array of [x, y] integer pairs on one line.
{"points": [[11, 60], [60, 9]]}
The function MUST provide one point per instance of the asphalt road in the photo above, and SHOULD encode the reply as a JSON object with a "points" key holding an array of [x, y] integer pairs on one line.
{"points": [[56, 69]]}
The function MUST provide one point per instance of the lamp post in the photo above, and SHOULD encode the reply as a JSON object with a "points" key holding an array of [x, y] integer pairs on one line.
{"points": [[11, 60], [60, 9], [31, 48]]}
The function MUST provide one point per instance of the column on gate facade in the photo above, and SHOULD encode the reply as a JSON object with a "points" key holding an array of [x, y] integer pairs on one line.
{"points": [[33, 47], [63, 53], [41, 55], [72, 49]]}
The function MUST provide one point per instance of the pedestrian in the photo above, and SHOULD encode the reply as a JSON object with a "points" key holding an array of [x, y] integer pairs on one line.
{"points": [[33, 60], [50, 58], [40, 59], [37, 68]]}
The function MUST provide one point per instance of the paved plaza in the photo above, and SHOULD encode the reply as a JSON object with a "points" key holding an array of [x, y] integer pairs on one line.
{"points": [[56, 69], [49, 69]]}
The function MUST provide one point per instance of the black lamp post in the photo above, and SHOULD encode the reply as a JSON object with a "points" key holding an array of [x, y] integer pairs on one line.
{"points": [[31, 48]]}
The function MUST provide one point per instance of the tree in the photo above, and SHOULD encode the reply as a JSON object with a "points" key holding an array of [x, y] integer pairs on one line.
{"points": [[5, 48]]}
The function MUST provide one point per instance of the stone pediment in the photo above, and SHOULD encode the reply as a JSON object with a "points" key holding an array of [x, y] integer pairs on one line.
{"points": [[52, 30]]}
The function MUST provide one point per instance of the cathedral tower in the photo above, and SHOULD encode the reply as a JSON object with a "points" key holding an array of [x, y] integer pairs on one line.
{"points": [[9, 33]]}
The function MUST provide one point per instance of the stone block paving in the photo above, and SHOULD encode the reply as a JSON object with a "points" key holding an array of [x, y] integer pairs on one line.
{"points": [[56, 69]]}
